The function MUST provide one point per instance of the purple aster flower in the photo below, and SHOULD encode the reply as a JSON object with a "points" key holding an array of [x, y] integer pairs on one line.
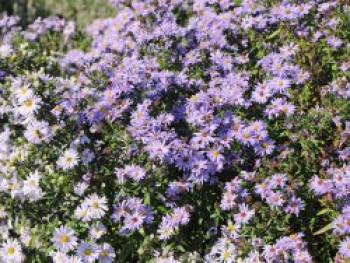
{"points": [[295, 205], [263, 189], [275, 199], [228, 201], [135, 172], [244, 214], [133, 221], [280, 85], [334, 41], [320, 186], [344, 247]]}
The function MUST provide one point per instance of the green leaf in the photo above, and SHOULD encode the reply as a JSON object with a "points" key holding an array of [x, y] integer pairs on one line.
{"points": [[323, 230], [274, 34], [324, 211]]}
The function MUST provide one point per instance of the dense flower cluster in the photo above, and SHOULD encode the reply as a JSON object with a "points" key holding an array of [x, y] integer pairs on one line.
{"points": [[188, 131]]}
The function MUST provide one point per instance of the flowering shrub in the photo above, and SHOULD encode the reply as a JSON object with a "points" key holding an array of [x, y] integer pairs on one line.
{"points": [[178, 131]]}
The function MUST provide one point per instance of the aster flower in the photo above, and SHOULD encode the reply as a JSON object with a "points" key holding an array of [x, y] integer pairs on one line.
{"points": [[23, 92], [58, 257], [344, 247], [68, 160], [97, 231], [334, 41], [83, 212], [29, 106], [134, 221], [87, 156], [263, 189], [11, 251], [295, 205], [278, 180], [135, 172], [87, 252], [280, 84], [222, 251], [64, 239], [270, 252], [120, 210], [5, 51], [97, 206], [320, 186], [31, 186], [165, 232], [80, 188], [244, 214], [228, 201], [275, 199], [106, 253], [279, 107], [231, 230], [158, 92], [38, 131]]}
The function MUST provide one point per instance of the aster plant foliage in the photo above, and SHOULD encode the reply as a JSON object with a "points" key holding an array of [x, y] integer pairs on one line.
{"points": [[177, 131]]}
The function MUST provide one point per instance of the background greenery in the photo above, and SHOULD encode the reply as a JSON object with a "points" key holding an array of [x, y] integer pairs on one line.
{"points": [[81, 11]]}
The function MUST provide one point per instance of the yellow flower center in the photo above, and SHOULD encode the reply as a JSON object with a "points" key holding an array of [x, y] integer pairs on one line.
{"points": [[28, 103], [284, 109], [69, 159], [231, 227], [226, 254], [194, 98], [64, 238], [24, 91], [104, 253], [87, 252], [32, 182], [10, 250], [95, 205]]}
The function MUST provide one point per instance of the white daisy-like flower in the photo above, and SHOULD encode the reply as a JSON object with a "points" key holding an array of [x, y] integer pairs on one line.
{"points": [[165, 232], [68, 160], [59, 257], [80, 188], [5, 51], [97, 231], [23, 93], [38, 131], [106, 253], [12, 186], [31, 186], [29, 106], [64, 239], [69, 29], [83, 212], [87, 252], [97, 205], [11, 251]]}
